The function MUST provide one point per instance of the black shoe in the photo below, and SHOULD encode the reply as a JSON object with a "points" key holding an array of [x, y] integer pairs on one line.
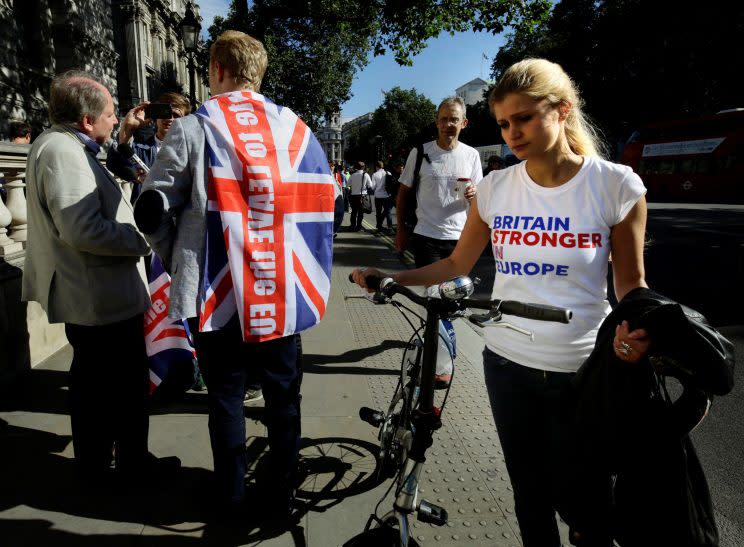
{"points": [[442, 381]]}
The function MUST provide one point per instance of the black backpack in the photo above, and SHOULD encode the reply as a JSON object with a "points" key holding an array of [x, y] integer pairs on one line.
{"points": [[391, 185], [410, 219]]}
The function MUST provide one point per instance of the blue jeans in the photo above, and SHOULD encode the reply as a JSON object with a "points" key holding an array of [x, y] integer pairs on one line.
{"points": [[528, 407], [229, 365]]}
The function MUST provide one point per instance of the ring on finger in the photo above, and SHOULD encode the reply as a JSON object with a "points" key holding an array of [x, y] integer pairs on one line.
{"points": [[622, 350], [627, 347]]}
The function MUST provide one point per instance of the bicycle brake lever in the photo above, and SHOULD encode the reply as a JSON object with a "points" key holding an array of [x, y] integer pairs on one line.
{"points": [[375, 298], [484, 320], [505, 325]]}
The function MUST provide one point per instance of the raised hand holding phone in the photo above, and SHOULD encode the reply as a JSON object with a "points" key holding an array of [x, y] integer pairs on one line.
{"points": [[134, 119]]}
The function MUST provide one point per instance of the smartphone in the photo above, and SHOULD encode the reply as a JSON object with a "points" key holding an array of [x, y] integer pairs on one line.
{"points": [[158, 111]]}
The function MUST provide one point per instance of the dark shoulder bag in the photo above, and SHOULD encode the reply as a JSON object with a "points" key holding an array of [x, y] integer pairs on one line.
{"points": [[409, 218]]}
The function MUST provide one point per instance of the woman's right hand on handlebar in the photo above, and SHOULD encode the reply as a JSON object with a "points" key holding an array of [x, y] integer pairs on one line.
{"points": [[360, 274]]}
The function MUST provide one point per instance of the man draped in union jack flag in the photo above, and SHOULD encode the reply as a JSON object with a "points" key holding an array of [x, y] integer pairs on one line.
{"points": [[239, 205]]}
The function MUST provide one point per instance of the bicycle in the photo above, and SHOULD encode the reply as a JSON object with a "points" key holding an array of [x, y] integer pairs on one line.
{"points": [[406, 429]]}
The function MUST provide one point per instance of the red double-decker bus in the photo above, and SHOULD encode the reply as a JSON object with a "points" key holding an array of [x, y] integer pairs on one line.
{"points": [[696, 160]]}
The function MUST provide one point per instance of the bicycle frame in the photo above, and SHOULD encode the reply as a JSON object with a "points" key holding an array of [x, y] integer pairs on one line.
{"points": [[426, 420], [426, 417]]}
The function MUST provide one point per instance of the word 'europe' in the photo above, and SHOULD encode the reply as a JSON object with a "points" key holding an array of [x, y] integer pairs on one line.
{"points": [[260, 221]]}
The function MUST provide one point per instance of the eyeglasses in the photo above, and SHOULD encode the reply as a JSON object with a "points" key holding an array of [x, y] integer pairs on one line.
{"points": [[445, 120]]}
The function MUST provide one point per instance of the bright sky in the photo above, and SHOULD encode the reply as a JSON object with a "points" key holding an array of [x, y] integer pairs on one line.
{"points": [[447, 63]]}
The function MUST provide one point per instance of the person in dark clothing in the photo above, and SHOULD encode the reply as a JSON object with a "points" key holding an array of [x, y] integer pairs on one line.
{"points": [[494, 164], [20, 132], [145, 137]]}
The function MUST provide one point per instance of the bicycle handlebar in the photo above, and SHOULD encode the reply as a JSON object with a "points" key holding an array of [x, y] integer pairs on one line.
{"points": [[538, 312]]}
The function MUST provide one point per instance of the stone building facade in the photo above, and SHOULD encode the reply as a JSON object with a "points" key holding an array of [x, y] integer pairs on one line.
{"points": [[330, 138], [41, 38], [352, 126], [151, 53], [472, 92], [131, 45]]}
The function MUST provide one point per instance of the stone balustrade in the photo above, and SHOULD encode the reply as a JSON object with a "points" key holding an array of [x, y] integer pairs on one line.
{"points": [[13, 210]]}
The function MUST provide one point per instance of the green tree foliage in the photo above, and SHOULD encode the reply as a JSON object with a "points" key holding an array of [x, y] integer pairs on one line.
{"points": [[404, 118], [637, 61], [315, 47]]}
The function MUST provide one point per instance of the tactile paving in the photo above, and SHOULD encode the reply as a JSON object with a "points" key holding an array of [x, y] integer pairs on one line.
{"points": [[465, 471]]}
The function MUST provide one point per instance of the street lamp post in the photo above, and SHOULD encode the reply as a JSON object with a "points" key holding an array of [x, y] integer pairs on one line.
{"points": [[190, 29]]}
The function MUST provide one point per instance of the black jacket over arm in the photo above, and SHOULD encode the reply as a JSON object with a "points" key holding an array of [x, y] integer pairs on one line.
{"points": [[635, 473]]}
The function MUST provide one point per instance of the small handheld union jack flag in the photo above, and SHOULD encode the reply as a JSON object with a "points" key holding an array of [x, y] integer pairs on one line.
{"points": [[166, 341]]}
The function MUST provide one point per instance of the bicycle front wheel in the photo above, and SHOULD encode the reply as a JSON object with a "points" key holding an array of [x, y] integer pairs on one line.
{"points": [[387, 535]]}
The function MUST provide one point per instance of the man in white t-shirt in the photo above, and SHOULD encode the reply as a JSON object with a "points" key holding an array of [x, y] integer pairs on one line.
{"points": [[383, 203], [447, 178], [449, 172], [359, 182]]}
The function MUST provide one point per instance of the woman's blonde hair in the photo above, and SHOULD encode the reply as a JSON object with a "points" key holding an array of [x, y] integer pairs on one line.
{"points": [[540, 80]]}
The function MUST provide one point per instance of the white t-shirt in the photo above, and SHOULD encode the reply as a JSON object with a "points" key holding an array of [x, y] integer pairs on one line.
{"points": [[441, 210], [378, 183], [359, 182], [551, 246]]}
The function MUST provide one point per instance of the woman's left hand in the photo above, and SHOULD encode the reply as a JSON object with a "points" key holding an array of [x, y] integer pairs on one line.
{"points": [[630, 346]]}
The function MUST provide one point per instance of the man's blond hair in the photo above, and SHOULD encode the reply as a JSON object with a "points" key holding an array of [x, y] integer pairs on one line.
{"points": [[242, 56]]}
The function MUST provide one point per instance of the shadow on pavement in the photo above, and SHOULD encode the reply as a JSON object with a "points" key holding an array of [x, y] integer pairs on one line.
{"points": [[313, 363], [37, 390], [36, 532], [332, 469]]}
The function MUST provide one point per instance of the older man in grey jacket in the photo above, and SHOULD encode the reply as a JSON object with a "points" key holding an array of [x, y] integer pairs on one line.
{"points": [[84, 266]]}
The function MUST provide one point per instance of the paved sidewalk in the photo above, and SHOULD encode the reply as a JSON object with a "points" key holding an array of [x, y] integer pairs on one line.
{"points": [[351, 360]]}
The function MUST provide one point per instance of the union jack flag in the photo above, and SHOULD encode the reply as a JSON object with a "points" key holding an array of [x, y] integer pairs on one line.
{"points": [[167, 341], [270, 210]]}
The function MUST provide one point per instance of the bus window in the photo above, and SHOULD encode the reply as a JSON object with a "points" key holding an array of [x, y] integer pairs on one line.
{"points": [[686, 167]]}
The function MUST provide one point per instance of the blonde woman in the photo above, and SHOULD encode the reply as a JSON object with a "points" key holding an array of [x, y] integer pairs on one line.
{"points": [[552, 222]]}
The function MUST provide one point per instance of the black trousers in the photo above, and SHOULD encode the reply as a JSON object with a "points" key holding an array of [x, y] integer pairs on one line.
{"points": [[338, 213], [529, 409], [427, 250], [228, 364], [357, 213], [109, 395]]}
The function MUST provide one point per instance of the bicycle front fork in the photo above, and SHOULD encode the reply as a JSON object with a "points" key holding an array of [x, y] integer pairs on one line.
{"points": [[407, 500]]}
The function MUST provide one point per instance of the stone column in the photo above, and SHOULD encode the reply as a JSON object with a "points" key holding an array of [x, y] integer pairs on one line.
{"points": [[17, 207], [7, 245]]}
